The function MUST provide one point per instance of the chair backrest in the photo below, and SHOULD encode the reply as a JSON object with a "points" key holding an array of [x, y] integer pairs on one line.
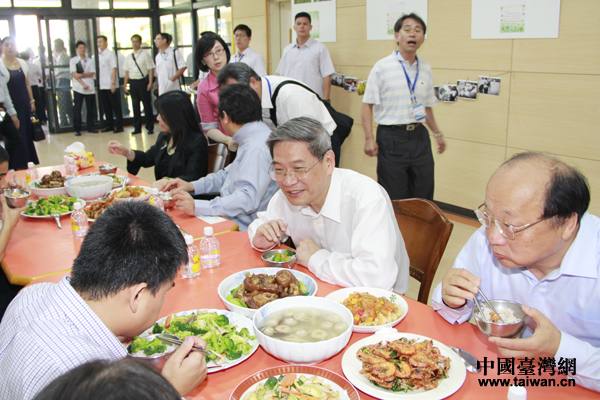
{"points": [[426, 231], [218, 157]]}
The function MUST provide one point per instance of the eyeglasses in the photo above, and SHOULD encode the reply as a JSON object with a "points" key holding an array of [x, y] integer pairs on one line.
{"points": [[507, 230], [239, 36], [408, 31], [297, 173], [217, 53]]}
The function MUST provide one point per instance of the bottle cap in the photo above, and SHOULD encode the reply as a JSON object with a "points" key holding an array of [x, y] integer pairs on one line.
{"points": [[208, 231], [188, 239], [77, 206], [516, 393], [30, 164], [154, 191]]}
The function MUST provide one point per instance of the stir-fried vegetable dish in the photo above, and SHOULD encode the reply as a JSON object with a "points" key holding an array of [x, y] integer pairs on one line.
{"points": [[57, 204], [293, 387]]}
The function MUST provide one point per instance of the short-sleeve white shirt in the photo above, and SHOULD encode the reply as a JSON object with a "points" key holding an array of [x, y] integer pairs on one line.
{"points": [[165, 69], [88, 66], [308, 64], [356, 230], [107, 61], [387, 89], [143, 59], [253, 59], [35, 74], [293, 101]]}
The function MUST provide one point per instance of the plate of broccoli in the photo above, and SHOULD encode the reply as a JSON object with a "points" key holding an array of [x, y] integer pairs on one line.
{"points": [[230, 336]]}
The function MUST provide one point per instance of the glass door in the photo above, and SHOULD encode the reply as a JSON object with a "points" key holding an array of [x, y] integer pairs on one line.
{"points": [[60, 100]]}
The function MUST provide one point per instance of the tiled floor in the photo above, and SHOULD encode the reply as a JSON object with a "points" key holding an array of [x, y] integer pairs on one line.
{"points": [[51, 152]]}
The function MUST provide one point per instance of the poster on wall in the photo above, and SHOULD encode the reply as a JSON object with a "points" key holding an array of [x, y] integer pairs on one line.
{"points": [[467, 90], [515, 19], [446, 93], [323, 18], [383, 14], [488, 85]]}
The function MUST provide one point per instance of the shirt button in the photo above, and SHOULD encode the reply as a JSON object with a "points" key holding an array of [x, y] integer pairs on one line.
{"points": [[322, 243]]}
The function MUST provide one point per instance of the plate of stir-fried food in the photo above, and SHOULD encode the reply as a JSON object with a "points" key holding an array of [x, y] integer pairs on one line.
{"points": [[400, 365], [96, 208], [294, 382], [135, 193]]}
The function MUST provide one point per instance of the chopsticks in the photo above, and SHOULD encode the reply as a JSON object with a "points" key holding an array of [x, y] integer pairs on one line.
{"points": [[172, 339], [489, 305]]}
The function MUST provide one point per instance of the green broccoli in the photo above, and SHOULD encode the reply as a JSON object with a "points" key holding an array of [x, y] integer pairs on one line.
{"points": [[178, 327], [221, 320], [245, 348], [233, 354], [157, 328], [138, 344], [154, 347], [245, 332]]}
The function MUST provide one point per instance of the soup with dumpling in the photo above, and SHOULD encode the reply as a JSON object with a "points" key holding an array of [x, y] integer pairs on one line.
{"points": [[303, 325]]}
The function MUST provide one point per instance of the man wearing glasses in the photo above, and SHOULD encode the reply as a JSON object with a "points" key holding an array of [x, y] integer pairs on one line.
{"points": [[399, 95], [538, 247], [243, 34], [244, 185], [170, 64], [342, 222]]}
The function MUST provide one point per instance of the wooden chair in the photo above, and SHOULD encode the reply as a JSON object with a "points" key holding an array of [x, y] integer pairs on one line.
{"points": [[426, 231], [218, 157]]}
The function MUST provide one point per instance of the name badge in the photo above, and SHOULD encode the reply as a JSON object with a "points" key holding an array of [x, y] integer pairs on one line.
{"points": [[418, 112]]}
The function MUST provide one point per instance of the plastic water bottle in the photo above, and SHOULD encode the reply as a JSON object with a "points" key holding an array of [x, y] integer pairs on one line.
{"points": [[516, 393], [79, 221], [31, 174], [155, 199], [192, 268], [210, 252], [72, 168]]}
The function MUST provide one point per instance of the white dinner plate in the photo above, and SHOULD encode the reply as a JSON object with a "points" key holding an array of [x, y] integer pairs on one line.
{"points": [[352, 366], [124, 179], [50, 216], [342, 294], [338, 383], [235, 319], [147, 189]]}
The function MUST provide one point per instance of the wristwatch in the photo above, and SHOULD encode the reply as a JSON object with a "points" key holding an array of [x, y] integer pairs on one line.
{"points": [[437, 135]]}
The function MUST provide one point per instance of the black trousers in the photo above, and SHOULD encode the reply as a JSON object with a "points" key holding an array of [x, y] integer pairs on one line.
{"points": [[12, 136], [405, 166], [111, 102], [90, 105], [139, 93], [40, 108]]}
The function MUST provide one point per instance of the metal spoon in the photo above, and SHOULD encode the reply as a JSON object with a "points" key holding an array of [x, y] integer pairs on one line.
{"points": [[57, 218], [468, 359]]}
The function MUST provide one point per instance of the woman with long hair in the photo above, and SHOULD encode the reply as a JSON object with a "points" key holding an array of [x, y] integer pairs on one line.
{"points": [[212, 54], [14, 71], [180, 151]]}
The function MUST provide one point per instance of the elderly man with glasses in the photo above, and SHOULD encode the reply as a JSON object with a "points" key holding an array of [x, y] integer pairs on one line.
{"points": [[342, 222], [539, 247]]}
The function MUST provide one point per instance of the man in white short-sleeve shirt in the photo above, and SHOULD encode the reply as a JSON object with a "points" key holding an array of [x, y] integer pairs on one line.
{"points": [[109, 84], [168, 69], [342, 222], [400, 95], [139, 73], [243, 35], [83, 70], [307, 60]]}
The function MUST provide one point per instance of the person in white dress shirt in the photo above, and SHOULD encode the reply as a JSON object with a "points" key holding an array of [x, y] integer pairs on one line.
{"points": [[170, 64], [307, 59], [539, 247], [35, 81], [243, 35], [109, 84], [139, 73], [342, 222], [83, 70]]}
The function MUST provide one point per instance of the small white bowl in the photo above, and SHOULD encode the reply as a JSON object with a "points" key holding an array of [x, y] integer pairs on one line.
{"points": [[303, 353], [235, 280], [145, 197], [40, 192], [89, 192]]}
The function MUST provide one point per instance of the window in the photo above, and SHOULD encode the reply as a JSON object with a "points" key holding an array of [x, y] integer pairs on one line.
{"points": [[130, 4], [94, 4], [166, 24], [37, 3], [225, 24], [206, 20], [184, 29], [127, 27], [4, 28]]}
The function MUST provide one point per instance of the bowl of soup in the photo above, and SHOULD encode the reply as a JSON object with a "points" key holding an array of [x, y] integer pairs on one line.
{"points": [[303, 330], [89, 187]]}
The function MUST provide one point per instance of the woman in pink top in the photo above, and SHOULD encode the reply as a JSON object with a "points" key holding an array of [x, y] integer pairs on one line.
{"points": [[211, 55]]}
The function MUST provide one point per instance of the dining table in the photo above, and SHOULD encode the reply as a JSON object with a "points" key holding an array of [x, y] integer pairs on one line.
{"points": [[238, 255], [38, 248]]}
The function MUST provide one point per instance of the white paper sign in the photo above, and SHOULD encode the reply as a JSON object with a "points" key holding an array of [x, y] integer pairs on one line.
{"points": [[515, 19], [323, 19], [383, 14]]}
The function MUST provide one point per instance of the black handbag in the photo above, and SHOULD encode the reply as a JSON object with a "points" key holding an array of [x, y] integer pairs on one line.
{"points": [[344, 122], [38, 132]]}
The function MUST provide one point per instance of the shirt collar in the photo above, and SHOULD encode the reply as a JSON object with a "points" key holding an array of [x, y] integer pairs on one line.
{"points": [[266, 96], [167, 50], [308, 43], [245, 132], [331, 207], [212, 81]]}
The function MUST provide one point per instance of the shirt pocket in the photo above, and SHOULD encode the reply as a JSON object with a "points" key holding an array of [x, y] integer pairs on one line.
{"points": [[585, 329]]}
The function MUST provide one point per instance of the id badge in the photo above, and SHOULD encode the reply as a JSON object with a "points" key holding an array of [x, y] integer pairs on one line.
{"points": [[418, 112]]}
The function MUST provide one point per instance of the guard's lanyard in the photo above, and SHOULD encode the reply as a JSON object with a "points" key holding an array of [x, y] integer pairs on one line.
{"points": [[164, 55], [413, 97], [269, 83], [241, 56]]}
